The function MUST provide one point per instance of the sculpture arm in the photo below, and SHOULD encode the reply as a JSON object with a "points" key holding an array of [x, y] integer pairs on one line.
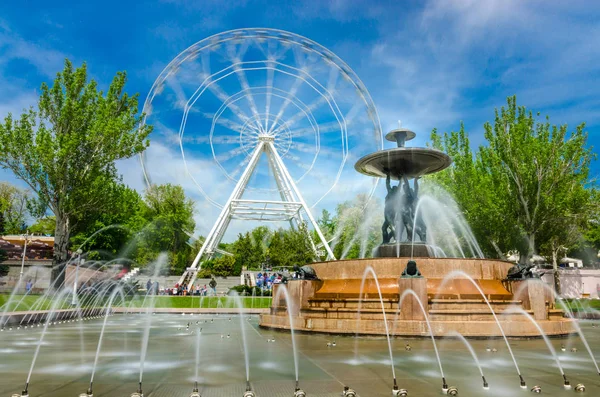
{"points": [[406, 185], [417, 186]]}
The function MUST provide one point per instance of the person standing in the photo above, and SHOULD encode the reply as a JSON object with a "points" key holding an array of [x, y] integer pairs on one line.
{"points": [[213, 285], [148, 286]]}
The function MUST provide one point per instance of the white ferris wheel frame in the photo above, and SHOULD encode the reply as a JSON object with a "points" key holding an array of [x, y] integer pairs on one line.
{"points": [[287, 209], [292, 204]]}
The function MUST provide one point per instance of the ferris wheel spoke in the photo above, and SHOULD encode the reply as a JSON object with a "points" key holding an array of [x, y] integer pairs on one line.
{"points": [[298, 116], [233, 174], [232, 125], [302, 147], [181, 99], [228, 156], [226, 139], [249, 97], [291, 94], [213, 86], [269, 87]]}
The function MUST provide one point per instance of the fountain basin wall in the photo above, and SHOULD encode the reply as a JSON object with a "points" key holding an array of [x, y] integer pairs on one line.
{"points": [[331, 304]]}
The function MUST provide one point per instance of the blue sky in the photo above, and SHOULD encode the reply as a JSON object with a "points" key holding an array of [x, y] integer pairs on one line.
{"points": [[431, 64]]}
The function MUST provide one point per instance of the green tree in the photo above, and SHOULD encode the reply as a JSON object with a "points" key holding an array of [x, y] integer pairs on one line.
{"points": [[109, 232], [291, 247], [541, 170], [528, 188], [223, 266], [170, 217], [470, 185], [66, 149], [356, 227], [44, 226], [13, 208]]}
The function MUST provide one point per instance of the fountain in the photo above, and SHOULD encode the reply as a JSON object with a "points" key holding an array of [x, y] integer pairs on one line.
{"points": [[408, 259], [412, 280]]}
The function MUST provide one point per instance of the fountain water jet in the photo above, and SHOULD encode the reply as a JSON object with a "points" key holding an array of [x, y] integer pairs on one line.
{"points": [[370, 270], [473, 354], [283, 290], [437, 354], [456, 273]]}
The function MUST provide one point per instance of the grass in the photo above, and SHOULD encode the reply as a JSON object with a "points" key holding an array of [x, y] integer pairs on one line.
{"points": [[208, 302], [21, 303], [580, 305]]}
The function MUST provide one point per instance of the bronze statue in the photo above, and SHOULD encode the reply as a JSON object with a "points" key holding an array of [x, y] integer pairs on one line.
{"points": [[388, 230], [393, 223]]}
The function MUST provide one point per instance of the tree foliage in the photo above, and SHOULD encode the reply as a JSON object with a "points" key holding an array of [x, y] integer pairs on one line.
{"points": [[43, 226], [66, 149], [169, 217], [529, 184], [13, 209]]}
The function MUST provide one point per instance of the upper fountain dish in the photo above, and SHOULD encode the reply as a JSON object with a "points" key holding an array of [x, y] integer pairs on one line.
{"points": [[409, 162]]}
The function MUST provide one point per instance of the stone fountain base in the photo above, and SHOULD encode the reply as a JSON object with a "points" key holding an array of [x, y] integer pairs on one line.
{"points": [[330, 304]]}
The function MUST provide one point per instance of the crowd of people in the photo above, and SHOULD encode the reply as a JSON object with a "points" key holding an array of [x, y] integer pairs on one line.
{"points": [[266, 281], [183, 289]]}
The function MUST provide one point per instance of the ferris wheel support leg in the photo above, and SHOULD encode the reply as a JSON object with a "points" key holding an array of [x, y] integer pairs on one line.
{"points": [[216, 233], [289, 179]]}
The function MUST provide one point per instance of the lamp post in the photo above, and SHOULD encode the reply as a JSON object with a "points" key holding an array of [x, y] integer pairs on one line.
{"points": [[26, 236]]}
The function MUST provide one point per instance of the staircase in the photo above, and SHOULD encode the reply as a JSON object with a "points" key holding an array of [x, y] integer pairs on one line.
{"points": [[131, 274]]}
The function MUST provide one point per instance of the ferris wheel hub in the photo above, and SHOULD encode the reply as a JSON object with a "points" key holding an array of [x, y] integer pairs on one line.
{"points": [[266, 138]]}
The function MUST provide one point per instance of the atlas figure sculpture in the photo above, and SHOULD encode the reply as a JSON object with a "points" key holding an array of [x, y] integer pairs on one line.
{"points": [[395, 223]]}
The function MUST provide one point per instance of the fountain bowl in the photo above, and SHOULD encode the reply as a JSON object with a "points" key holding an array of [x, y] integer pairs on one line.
{"points": [[411, 162]]}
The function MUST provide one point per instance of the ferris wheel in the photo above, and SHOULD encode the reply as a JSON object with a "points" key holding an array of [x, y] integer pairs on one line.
{"points": [[259, 113]]}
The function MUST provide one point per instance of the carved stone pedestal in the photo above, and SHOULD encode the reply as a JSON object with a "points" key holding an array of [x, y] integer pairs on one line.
{"points": [[410, 309]]}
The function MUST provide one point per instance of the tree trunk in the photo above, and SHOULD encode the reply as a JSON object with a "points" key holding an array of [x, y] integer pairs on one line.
{"points": [[530, 246], [498, 251], [61, 250], [555, 268]]}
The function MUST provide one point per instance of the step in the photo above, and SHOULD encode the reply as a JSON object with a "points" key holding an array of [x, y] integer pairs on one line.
{"points": [[440, 304], [475, 315]]}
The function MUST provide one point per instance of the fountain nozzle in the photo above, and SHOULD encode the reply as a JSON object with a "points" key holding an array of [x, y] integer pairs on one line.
{"points": [[88, 393], [523, 384], [249, 392], [348, 392], [485, 384], [138, 393], [536, 389], [299, 393], [399, 392], [444, 385], [195, 392], [567, 384], [452, 391], [580, 388]]}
